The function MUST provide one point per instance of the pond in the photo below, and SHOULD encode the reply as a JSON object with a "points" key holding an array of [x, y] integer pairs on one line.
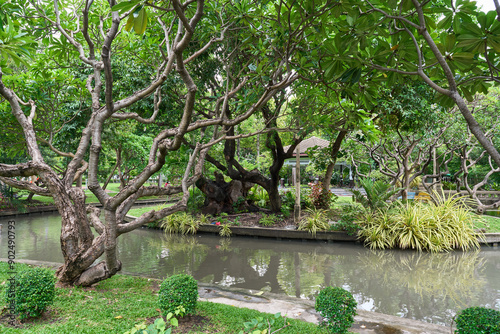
{"points": [[427, 287]]}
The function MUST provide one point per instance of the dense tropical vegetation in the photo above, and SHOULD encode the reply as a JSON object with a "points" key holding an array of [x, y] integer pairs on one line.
{"points": [[152, 91]]}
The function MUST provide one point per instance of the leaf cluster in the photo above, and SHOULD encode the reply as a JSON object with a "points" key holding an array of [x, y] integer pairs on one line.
{"points": [[178, 290], [338, 307], [34, 292], [478, 320]]}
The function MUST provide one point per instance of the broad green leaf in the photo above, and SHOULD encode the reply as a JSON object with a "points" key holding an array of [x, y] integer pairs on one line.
{"points": [[141, 22], [125, 6], [472, 29], [467, 94], [494, 43], [445, 23], [130, 23], [449, 42]]}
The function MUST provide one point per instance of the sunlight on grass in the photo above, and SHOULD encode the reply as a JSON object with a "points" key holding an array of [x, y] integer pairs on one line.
{"points": [[491, 224], [136, 212]]}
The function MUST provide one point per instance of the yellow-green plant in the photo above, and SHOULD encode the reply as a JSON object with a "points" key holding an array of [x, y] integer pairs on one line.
{"points": [[441, 225], [203, 219], [315, 221], [225, 231], [180, 222]]}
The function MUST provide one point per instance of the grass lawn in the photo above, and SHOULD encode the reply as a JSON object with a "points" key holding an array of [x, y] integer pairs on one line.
{"points": [[491, 224], [136, 212], [112, 190], [117, 304], [343, 200]]}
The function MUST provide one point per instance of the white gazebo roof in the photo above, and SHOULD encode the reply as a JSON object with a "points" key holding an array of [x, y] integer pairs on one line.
{"points": [[308, 143]]}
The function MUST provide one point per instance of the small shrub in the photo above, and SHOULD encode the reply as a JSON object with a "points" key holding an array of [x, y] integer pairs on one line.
{"points": [[475, 320], [268, 220], [196, 200], [348, 217], [285, 211], [178, 290], [316, 220], [320, 198], [239, 202], [449, 185], [34, 292], [203, 219], [338, 307], [305, 199], [235, 221], [440, 225], [180, 222], [260, 325], [377, 194], [259, 195], [225, 231]]}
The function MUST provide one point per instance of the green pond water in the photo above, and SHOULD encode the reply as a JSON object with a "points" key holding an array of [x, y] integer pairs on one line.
{"points": [[427, 287]]}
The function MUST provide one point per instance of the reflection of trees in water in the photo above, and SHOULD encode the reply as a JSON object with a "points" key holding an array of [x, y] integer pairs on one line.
{"points": [[416, 284], [302, 274], [37, 237], [181, 254], [424, 286], [150, 253], [248, 268]]}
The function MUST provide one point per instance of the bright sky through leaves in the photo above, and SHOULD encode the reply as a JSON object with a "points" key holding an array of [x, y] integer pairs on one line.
{"points": [[486, 5]]}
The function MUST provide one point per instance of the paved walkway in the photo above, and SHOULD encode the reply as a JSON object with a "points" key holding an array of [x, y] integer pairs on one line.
{"points": [[365, 322], [341, 191]]}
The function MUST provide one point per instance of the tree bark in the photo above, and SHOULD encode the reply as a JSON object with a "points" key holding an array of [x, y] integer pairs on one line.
{"points": [[333, 155]]}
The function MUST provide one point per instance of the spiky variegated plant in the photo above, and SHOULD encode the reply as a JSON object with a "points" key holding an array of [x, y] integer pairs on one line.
{"points": [[441, 225]]}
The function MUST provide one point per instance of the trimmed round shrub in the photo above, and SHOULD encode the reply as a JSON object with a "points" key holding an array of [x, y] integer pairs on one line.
{"points": [[478, 320], [178, 290], [34, 292], [338, 307]]}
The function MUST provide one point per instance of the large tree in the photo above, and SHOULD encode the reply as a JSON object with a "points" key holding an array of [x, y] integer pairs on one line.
{"points": [[89, 35], [450, 46]]}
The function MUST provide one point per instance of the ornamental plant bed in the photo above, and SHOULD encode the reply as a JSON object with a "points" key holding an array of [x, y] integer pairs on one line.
{"points": [[252, 219]]}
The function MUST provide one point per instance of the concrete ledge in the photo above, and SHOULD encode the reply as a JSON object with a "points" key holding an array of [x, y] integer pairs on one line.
{"points": [[280, 233], [491, 238]]}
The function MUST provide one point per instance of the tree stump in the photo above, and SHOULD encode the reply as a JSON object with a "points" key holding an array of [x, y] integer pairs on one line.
{"points": [[222, 196]]}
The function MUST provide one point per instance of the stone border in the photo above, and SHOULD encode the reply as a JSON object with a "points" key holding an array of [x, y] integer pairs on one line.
{"points": [[278, 233]]}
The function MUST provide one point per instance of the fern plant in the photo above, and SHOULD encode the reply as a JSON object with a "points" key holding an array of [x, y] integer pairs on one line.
{"points": [[377, 194]]}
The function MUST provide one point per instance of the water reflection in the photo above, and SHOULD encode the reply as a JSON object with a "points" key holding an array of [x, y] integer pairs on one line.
{"points": [[430, 287]]}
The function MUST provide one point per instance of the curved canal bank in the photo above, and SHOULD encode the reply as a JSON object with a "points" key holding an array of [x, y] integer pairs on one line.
{"points": [[365, 322], [406, 284]]}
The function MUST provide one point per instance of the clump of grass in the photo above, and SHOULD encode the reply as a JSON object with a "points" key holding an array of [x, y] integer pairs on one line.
{"points": [[441, 225], [315, 221], [180, 222]]}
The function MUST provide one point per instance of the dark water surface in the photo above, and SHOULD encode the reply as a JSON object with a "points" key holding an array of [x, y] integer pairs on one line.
{"points": [[428, 287]]}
